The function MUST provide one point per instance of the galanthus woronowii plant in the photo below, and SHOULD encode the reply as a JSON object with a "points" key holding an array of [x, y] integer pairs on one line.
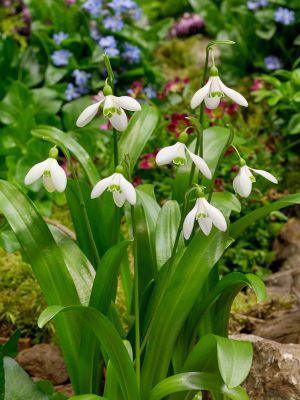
{"points": [[170, 337]]}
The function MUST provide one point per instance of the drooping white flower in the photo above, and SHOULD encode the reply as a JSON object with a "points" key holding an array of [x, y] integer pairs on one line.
{"points": [[206, 215], [119, 186], [242, 183], [177, 154], [113, 109], [213, 91], [54, 176]]}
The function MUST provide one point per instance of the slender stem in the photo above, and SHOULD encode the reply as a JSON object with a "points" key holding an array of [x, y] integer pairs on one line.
{"points": [[116, 154], [136, 304], [85, 214]]}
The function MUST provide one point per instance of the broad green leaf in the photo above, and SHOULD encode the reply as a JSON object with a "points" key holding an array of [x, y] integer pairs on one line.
{"points": [[48, 265], [134, 139], [166, 229], [294, 125], [226, 201], [60, 138], [18, 385], [195, 381], [88, 397], [240, 225], [109, 340], [183, 288]]}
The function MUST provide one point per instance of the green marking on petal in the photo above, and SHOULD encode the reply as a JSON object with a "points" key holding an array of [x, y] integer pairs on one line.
{"points": [[201, 215], [47, 173], [252, 179], [114, 188], [179, 161], [216, 94]]}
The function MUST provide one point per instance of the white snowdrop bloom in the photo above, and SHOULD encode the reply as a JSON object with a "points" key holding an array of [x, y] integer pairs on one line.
{"points": [[206, 215], [242, 183], [113, 109], [214, 90], [177, 154], [54, 176], [119, 186]]}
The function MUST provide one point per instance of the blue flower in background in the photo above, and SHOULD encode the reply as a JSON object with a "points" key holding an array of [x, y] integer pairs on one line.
{"points": [[263, 3], [252, 5], [93, 7], [109, 44], [122, 6], [114, 23], [95, 34], [81, 77], [150, 91], [59, 37], [61, 57], [284, 16], [272, 63], [131, 53], [112, 52], [71, 92]]}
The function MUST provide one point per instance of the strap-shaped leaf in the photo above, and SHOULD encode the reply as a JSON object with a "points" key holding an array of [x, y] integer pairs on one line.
{"points": [[59, 137], [110, 342], [195, 381], [136, 136], [88, 397]]}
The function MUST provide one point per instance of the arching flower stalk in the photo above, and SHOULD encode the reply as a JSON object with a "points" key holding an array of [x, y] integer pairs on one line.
{"points": [[54, 176]]}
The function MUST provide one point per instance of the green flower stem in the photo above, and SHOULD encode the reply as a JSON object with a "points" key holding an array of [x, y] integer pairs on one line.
{"points": [[136, 304], [228, 143], [109, 70], [85, 214], [116, 154]]}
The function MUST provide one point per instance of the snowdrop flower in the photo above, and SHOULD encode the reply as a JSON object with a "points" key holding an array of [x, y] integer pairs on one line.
{"points": [[119, 186], [113, 109], [242, 183], [213, 91], [206, 215], [54, 176], [177, 154]]}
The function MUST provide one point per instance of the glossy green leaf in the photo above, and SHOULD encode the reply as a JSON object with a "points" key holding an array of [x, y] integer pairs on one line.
{"points": [[18, 384], [139, 131], [240, 225], [226, 201], [62, 139], [195, 381], [184, 286], [166, 229], [109, 339]]}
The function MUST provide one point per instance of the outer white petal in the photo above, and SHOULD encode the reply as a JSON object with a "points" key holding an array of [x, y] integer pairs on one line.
{"points": [[189, 221], [88, 114], [48, 184], [242, 183], [119, 121], [234, 95], [205, 225], [265, 174], [200, 94], [216, 216], [212, 102], [200, 164], [167, 154], [36, 172], [128, 189], [58, 175], [119, 198], [101, 186], [128, 103]]}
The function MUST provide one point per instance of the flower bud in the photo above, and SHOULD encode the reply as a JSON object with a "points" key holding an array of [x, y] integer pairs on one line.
{"points": [[53, 152]]}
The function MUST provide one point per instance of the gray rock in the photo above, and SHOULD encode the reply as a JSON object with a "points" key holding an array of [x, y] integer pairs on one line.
{"points": [[287, 245], [44, 361], [275, 373]]}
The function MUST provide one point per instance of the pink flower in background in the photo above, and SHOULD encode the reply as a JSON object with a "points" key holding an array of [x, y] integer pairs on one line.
{"points": [[219, 185], [70, 2], [106, 126], [98, 97], [137, 180], [136, 89], [65, 166], [257, 84], [178, 123], [187, 25], [148, 160], [175, 86]]}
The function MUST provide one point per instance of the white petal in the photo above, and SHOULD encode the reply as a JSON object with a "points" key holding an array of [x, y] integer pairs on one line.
{"points": [[48, 184], [200, 164], [265, 174], [217, 217], [58, 176], [234, 95], [36, 172], [128, 189], [109, 102], [101, 186], [189, 223], [200, 95], [119, 121], [167, 154], [205, 225], [242, 183], [88, 114], [212, 102], [128, 103], [119, 198]]}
